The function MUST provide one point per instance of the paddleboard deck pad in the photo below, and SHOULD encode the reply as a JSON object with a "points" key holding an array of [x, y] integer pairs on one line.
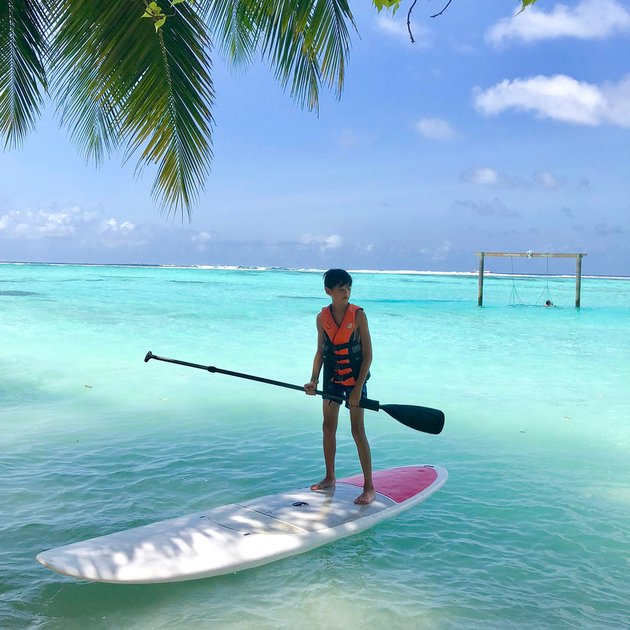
{"points": [[243, 535]]}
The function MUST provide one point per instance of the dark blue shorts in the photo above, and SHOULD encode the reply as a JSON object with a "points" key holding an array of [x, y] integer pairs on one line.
{"points": [[343, 391]]}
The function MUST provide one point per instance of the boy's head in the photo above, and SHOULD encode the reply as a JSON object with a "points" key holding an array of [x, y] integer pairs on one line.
{"points": [[334, 278]]}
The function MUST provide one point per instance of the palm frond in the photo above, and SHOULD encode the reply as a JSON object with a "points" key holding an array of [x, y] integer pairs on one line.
{"points": [[169, 113], [151, 91], [23, 25], [235, 32], [307, 43], [87, 101]]}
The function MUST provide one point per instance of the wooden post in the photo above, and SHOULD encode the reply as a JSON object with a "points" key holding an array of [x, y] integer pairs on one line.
{"points": [[480, 285], [578, 279]]}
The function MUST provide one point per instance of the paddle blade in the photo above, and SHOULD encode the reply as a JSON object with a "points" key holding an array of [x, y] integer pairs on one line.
{"points": [[419, 418]]}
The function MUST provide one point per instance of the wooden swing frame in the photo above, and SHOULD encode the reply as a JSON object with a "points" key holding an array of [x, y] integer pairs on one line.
{"points": [[578, 268]]}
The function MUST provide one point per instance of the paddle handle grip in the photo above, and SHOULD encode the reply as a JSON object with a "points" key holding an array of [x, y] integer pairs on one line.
{"points": [[366, 403]]}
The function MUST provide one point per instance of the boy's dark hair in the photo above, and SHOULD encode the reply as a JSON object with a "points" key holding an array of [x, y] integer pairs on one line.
{"points": [[337, 278]]}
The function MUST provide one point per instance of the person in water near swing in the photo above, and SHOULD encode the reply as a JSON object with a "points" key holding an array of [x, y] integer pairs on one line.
{"points": [[344, 349]]}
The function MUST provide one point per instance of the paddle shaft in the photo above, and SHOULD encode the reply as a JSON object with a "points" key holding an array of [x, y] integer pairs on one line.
{"points": [[418, 418], [366, 403]]}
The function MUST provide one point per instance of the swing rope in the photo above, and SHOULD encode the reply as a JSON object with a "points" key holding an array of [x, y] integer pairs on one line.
{"points": [[515, 298], [546, 292]]}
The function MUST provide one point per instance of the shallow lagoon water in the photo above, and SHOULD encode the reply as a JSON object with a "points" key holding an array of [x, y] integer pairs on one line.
{"points": [[531, 530]]}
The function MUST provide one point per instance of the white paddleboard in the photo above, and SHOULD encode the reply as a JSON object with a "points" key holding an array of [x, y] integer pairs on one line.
{"points": [[243, 535]]}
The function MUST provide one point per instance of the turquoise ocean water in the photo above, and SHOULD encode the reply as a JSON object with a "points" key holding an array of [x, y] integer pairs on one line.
{"points": [[532, 529]]}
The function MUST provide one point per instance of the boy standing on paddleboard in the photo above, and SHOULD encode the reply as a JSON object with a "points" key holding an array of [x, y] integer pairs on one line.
{"points": [[344, 348]]}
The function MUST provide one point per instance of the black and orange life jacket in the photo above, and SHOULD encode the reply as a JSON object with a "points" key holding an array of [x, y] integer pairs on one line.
{"points": [[342, 347]]}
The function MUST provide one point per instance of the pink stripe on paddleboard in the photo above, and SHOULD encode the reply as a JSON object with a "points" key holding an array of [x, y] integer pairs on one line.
{"points": [[399, 484]]}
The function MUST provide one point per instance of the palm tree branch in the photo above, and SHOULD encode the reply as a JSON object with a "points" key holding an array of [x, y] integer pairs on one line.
{"points": [[87, 93], [233, 25], [307, 45], [152, 92], [305, 41], [168, 112], [23, 48]]}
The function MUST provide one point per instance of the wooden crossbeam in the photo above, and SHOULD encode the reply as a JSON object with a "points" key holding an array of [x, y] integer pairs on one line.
{"points": [[531, 254]]}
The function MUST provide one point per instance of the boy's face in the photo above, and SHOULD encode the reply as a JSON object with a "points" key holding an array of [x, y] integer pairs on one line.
{"points": [[340, 293]]}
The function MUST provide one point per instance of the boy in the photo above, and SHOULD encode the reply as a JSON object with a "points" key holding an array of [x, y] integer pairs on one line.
{"points": [[344, 348]]}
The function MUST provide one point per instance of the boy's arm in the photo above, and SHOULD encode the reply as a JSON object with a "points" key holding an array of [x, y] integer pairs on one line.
{"points": [[318, 361], [366, 351]]}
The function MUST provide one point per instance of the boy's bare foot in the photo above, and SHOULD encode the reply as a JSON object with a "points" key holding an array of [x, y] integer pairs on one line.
{"points": [[323, 484], [365, 498]]}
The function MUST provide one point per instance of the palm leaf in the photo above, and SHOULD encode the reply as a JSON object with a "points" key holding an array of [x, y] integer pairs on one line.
{"points": [[305, 41], [23, 24], [235, 32], [152, 91], [86, 100], [168, 113]]}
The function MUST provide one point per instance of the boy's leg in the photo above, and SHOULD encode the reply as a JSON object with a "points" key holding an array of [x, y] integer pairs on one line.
{"points": [[331, 419], [365, 456]]}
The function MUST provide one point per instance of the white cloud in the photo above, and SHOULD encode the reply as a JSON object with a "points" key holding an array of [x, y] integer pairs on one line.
{"points": [[113, 226], [546, 180], [347, 139], [464, 49], [397, 28], [440, 252], [482, 175], [57, 224], [589, 19], [435, 129], [560, 98], [201, 240], [73, 223], [34, 224], [494, 208], [334, 241], [487, 176], [392, 27]]}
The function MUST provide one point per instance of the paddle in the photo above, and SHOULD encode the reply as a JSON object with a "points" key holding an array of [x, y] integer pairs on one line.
{"points": [[419, 418]]}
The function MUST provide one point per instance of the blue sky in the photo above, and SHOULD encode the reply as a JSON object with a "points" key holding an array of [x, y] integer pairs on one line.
{"points": [[494, 131]]}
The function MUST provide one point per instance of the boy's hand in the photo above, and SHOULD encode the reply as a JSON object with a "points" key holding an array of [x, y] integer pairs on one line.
{"points": [[310, 388], [355, 397]]}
